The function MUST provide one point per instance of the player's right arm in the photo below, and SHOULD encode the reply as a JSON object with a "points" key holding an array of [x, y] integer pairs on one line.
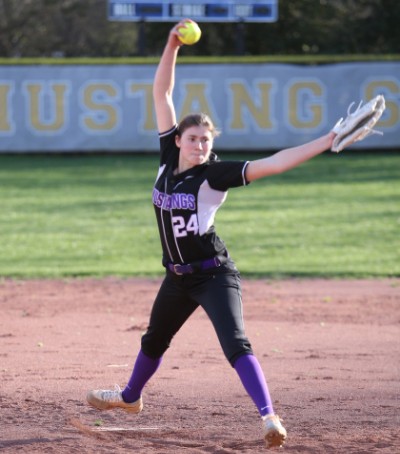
{"points": [[164, 81]]}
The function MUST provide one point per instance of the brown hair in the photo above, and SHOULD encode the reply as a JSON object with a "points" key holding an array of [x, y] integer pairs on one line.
{"points": [[198, 119]]}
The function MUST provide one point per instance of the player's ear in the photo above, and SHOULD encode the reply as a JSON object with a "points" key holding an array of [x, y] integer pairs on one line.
{"points": [[178, 141]]}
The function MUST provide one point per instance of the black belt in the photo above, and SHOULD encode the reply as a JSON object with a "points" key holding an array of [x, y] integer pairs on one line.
{"points": [[189, 268]]}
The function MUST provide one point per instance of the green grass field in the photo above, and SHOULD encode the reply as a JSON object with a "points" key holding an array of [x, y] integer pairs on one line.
{"points": [[91, 215]]}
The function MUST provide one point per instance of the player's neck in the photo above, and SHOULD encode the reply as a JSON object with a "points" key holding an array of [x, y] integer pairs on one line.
{"points": [[182, 167]]}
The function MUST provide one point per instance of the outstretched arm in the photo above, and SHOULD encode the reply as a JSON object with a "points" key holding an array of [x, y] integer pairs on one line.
{"points": [[355, 127], [164, 81], [288, 158]]}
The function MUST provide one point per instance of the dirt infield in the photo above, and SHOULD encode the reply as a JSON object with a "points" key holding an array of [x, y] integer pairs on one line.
{"points": [[329, 348]]}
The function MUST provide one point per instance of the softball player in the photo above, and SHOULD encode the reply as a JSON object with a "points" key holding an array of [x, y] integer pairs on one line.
{"points": [[190, 187]]}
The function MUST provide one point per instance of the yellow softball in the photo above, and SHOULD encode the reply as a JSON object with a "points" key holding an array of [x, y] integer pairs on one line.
{"points": [[189, 34]]}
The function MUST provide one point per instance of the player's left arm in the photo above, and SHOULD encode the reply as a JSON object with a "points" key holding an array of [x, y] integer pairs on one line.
{"points": [[355, 127], [288, 158]]}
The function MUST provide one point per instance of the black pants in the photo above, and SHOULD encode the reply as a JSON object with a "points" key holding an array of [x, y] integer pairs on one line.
{"points": [[179, 296]]}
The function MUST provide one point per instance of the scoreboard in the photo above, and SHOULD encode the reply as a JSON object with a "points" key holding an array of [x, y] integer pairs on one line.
{"points": [[201, 11]]}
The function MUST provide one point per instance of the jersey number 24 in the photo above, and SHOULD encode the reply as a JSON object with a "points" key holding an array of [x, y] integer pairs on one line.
{"points": [[181, 229]]}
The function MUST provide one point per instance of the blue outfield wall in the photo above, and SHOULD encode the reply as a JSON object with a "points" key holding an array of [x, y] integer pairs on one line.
{"points": [[257, 106]]}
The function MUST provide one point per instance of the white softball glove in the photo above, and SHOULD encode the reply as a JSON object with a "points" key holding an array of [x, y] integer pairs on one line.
{"points": [[359, 124]]}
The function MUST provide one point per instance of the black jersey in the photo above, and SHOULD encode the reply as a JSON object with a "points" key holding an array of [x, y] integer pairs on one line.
{"points": [[186, 204]]}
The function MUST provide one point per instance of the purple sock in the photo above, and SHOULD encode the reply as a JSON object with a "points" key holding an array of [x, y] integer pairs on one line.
{"points": [[253, 380], [143, 369]]}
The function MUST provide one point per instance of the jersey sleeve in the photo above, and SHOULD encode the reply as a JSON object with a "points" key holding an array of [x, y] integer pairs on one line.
{"points": [[169, 150], [223, 175]]}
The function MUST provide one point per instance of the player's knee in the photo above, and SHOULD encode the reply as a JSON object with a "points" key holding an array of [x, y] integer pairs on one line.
{"points": [[234, 351], [153, 347]]}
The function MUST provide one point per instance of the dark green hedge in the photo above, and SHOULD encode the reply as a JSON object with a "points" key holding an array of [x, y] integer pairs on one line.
{"points": [[289, 59]]}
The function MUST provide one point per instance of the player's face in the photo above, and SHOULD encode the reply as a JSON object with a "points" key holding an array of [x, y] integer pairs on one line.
{"points": [[195, 145]]}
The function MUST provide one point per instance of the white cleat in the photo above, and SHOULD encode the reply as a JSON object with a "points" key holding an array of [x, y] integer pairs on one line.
{"points": [[274, 433], [104, 399]]}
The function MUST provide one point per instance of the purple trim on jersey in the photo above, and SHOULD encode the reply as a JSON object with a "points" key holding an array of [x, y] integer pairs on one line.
{"points": [[174, 201]]}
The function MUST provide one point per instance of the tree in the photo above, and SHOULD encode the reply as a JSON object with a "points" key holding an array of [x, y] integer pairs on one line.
{"points": [[76, 28]]}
